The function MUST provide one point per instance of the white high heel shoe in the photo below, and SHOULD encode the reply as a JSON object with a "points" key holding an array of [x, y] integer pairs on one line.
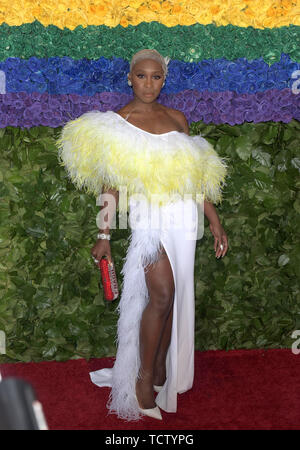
{"points": [[151, 412], [157, 388]]}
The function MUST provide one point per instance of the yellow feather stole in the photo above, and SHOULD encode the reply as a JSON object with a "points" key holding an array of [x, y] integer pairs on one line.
{"points": [[102, 148]]}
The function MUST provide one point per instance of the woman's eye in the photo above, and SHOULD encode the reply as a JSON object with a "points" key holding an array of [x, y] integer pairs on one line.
{"points": [[157, 77]]}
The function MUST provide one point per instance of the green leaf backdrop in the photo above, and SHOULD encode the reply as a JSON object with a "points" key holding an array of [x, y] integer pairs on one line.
{"points": [[52, 304]]}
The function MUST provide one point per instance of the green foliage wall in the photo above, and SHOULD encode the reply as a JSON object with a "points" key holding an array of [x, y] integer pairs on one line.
{"points": [[51, 304]]}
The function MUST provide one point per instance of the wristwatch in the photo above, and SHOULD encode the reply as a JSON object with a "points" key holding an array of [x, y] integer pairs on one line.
{"points": [[103, 236]]}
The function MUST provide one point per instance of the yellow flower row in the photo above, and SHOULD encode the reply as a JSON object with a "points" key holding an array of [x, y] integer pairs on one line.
{"points": [[71, 13]]}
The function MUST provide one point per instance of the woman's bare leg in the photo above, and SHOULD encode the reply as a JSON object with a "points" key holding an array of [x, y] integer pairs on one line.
{"points": [[160, 361], [160, 284], [159, 377]]}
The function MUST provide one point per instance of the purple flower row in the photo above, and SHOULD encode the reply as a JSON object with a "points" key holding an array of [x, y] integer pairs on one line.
{"points": [[28, 110]]}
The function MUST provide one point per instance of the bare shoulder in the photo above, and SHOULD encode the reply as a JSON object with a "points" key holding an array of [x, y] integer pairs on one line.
{"points": [[123, 111], [179, 117]]}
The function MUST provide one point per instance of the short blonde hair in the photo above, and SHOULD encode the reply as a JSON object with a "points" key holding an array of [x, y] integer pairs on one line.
{"points": [[148, 53]]}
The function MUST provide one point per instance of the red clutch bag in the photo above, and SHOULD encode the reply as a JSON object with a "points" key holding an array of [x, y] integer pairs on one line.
{"points": [[109, 279]]}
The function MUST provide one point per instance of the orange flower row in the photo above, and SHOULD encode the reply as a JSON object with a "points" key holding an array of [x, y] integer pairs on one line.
{"points": [[71, 13]]}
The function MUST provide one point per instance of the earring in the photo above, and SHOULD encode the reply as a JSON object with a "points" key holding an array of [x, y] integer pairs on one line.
{"points": [[129, 83], [163, 84]]}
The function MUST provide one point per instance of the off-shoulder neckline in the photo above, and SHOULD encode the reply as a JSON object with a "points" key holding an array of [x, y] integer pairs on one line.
{"points": [[147, 132]]}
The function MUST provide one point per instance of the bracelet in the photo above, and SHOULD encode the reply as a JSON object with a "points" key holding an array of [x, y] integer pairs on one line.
{"points": [[103, 236]]}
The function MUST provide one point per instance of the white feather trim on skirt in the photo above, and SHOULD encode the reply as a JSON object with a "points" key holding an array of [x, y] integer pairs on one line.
{"points": [[176, 227]]}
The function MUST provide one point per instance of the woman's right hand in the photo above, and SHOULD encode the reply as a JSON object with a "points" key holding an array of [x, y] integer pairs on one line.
{"points": [[100, 249]]}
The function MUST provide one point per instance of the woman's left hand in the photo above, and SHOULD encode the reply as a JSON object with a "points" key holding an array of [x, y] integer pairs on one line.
{"points": [[221, 241]]}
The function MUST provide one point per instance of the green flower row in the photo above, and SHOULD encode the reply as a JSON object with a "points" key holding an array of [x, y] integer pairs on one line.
{"points": [[186, 43]]}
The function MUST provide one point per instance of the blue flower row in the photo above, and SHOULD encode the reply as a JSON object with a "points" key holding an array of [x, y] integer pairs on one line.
{"points": [[87, 76]]}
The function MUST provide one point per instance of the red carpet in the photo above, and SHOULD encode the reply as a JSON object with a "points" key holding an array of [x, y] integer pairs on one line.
{"points": [[238, 389]]}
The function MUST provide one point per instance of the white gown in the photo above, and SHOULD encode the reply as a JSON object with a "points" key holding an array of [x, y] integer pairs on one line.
{"points": [[177, 230], [104, 148]]}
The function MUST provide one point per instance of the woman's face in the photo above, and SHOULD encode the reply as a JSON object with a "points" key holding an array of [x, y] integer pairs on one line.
{"points": [[147, 77]]}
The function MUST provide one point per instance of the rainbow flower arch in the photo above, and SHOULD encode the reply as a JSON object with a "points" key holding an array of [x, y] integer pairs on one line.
{"points": [[227, 64]]}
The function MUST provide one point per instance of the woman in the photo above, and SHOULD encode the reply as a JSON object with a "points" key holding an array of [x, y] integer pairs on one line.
{"points": [[146, 147]]}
